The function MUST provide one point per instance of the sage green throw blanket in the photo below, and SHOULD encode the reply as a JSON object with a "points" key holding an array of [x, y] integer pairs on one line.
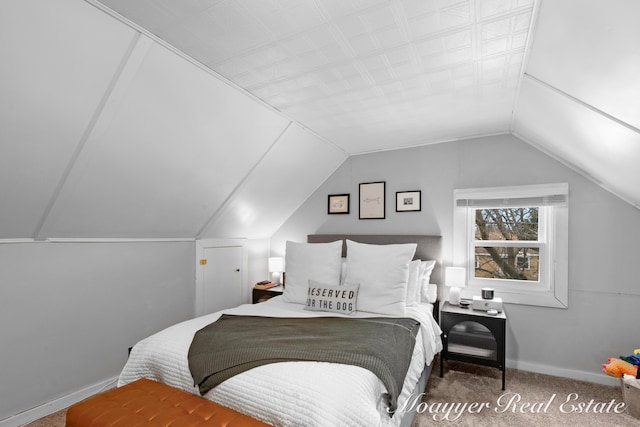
{"points": [[234, 344]]}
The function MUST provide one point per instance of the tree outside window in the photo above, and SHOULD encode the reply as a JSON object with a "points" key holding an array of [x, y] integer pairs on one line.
{"points": [[493, 258]]}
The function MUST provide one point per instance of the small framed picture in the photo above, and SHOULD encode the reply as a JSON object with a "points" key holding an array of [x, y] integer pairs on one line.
{"points": [[408, 201], [338, 204], [372, 200]]}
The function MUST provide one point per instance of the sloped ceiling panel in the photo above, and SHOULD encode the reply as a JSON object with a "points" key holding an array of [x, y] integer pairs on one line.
{"points": [[590, 51], [58, 58], [292, 170], [580, 99], [172, 144], [597, 146]]}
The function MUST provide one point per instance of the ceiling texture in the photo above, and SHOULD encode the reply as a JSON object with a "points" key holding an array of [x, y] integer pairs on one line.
{"points": [[384, 74], [128, 119], [366, 75]]}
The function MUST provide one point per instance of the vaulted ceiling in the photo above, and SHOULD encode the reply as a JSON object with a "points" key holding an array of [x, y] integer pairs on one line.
{"points": [[163, 119], [366, 75]]}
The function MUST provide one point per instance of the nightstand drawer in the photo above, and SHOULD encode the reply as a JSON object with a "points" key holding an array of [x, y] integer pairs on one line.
{"points": [[260, 295]]}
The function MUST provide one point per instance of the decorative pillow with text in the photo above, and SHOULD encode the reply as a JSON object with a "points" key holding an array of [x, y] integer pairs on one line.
{"points": [[336, 299]]}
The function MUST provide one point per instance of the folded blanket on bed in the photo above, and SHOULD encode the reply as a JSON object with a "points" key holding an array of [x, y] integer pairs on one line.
{"points": [[234, 344]]}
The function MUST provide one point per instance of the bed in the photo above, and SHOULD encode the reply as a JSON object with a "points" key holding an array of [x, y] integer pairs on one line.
{"points": [[316, 393]]}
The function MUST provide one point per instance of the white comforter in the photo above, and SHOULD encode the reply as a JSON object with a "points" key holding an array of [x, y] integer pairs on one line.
{"points": [[288, 393]]}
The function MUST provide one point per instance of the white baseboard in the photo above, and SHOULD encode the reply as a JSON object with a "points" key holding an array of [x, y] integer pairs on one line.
{"points": [[598, 378], [61, 403]]}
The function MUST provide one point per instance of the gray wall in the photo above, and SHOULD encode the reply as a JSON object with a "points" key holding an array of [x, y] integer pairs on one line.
{"points": [[604, 231], [70, 311]]}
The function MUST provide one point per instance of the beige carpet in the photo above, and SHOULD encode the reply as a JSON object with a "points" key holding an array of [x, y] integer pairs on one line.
{"points": [[527, 401], [53, 420], [464, 383]]}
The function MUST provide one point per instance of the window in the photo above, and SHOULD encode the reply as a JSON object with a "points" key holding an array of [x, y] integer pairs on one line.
{"points": [[504, 241], [514, 239]]}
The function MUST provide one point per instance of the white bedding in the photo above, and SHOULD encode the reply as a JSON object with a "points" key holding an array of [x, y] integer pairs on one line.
{"points": [[287, 393]]}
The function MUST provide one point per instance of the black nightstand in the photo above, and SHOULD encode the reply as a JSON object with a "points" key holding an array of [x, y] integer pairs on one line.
{"points": [[473, 336], [260, 295]]}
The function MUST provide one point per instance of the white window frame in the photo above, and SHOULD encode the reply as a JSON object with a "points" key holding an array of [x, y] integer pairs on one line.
{"points": [[552, 287]]}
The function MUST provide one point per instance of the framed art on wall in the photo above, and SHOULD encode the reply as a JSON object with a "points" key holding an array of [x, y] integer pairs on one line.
{"points": [[408, 201], [372, 200], [338, 204]]}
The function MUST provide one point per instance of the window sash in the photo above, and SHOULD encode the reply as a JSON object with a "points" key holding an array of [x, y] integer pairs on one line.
{"points": [[543, 269], [545, 219]]}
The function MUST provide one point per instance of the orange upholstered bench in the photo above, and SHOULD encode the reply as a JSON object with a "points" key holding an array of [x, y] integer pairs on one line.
{"points": [[150, 403]]}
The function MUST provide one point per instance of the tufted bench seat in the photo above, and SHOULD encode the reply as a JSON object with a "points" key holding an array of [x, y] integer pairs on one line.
{"points": [[149, 403]]}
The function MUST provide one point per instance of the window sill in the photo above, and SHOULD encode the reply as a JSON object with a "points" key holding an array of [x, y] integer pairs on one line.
{"points": [[536, 298]]}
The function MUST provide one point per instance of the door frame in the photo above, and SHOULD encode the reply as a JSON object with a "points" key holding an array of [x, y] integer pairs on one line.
{"points": [[201, 245]]}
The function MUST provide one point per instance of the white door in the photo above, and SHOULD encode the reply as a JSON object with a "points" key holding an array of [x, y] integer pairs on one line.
{"points": [[221, 278]]}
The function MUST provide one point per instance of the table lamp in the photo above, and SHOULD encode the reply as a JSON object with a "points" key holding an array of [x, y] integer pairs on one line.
{"points": [[454, 279], [276, 267]]}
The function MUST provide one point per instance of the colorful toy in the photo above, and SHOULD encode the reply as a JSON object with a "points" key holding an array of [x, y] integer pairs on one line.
{"points": [[633, 359], [618, 367]]}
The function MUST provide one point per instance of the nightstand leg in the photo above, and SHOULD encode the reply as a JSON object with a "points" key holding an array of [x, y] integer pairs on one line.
{"points": [[504, 370], [444, 350]]}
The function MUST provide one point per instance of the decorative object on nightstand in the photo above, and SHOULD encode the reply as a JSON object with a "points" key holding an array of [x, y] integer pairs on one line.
{"points": [[474, 337], [487, 293], [487, 302], [454, 279], [276, 267], [265, 284]]}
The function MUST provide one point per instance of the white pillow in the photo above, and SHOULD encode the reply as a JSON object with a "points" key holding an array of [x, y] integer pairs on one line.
{"points": [[335, 299], [430, 293], [343, 270], [304, 261], [382, 272], [414, 283], [426, 267]]}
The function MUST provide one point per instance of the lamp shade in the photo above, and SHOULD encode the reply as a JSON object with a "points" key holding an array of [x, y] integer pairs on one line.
{"points": [[454, 278], [276, 264]]}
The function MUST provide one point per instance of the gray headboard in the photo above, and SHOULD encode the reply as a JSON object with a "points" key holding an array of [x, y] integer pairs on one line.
{"points": [[429, 247]]}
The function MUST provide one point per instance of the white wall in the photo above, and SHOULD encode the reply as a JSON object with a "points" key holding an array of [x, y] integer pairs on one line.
{"points": [[258, 254], [601, 320], [70, 311]]}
